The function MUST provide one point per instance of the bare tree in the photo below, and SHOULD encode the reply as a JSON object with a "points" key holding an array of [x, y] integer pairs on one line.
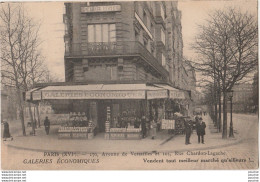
{"points": [[227, 48], [20, 58]]}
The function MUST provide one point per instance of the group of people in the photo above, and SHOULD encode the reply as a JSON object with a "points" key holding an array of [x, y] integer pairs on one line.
{"points": [[200, 129]]}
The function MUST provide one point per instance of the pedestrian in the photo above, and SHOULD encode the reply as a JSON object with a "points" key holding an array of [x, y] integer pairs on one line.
{"points": [[47, 125], [201, 130], [153, 128], [188, 130], [143, 126], [6, 133]]}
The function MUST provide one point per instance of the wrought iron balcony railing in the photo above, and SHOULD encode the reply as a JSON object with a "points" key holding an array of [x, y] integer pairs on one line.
{"points": [[125, 48]]}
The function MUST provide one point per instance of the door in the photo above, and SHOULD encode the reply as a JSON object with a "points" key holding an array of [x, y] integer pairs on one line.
{"points": [[102, 114]]}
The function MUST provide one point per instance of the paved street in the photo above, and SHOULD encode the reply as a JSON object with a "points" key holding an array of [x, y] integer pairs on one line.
{"points": [[239, 153]]}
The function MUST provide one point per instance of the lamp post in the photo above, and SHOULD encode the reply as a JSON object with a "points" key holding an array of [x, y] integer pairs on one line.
{"points": [[231, 131]]}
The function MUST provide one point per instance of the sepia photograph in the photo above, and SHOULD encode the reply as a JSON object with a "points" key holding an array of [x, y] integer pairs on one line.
{"points": [[129, 85]]}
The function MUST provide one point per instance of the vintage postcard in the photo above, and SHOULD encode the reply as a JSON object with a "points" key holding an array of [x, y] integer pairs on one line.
{"points": [[129, 85]]}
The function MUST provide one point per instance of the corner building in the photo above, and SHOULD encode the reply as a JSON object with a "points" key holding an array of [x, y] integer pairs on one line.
{"points": [[120, 66], [116, 41]]}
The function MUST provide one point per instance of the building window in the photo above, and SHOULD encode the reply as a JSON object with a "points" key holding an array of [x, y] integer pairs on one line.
{"points": [[152, 29], [163, 60], [102, 33], [152, 51], [136, 36], [146, 44], [67, 48], [162, 12], [145, 18], [112, 69], [163, 36]]}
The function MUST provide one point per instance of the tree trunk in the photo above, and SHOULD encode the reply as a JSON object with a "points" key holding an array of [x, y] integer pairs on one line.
{"points": [[224, 133], [38, 115], [216, 109], [219, 110], [34, 116], [31, 116], [21, 111]]}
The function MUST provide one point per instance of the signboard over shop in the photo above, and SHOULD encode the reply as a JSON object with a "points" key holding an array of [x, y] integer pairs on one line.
{"points": [[28, 95], [157, 94], [36, 95], [107, 94], [177, 94], [95, 9]]}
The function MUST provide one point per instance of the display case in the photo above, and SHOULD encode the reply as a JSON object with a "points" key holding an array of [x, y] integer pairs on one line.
{"points": [[77, 127], [123, 134], [75, 133]]}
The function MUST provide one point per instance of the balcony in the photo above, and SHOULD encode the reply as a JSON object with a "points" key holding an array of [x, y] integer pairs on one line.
{"points": [[105, 49]]}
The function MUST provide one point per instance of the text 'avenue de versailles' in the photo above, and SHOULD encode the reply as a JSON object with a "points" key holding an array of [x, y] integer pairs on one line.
{"points": [[123, 64]]}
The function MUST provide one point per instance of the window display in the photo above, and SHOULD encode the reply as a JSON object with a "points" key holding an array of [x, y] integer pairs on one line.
{"points": [[78, 126]]}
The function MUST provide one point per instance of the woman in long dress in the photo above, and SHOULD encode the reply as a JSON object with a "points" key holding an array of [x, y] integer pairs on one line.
{"points": [[6, 131]]}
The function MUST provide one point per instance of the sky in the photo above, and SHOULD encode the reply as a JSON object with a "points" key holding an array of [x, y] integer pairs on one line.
{"points": [[50, 16]]}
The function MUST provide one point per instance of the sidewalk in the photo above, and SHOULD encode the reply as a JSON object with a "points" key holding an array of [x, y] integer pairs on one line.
{"points": [[42, 142]]}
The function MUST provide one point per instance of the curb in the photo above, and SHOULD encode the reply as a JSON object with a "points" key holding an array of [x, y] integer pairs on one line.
{"points": [[150, 151]]}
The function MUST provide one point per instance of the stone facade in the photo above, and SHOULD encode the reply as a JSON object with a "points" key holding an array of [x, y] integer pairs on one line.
{"points": [[124, 41], [242, 98]]}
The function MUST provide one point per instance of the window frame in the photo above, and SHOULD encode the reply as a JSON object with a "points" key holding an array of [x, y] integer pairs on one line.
{"points": [[111, 31]]}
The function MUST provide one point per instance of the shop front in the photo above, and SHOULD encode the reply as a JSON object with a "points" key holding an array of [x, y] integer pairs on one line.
{"points": [[82, 111]]}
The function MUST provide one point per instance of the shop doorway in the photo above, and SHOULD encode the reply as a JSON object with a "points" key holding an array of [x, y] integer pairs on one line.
{"points": [[104, 111]]}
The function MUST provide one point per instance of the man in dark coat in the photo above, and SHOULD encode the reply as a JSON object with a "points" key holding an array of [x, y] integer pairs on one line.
{"points": [[47, 125], [200, 126], [143, 126], [188, 131]]}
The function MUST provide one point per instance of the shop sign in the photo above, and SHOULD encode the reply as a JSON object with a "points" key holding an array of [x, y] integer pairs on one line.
{"points": [[79, 135], [117, 135], [168, 124], [176, 94], [108, 94], [95, 9], [133, 136], [157, 94], [36, 95]]}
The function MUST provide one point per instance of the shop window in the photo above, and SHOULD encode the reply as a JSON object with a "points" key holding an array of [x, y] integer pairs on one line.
{"points": [[102, 33]]}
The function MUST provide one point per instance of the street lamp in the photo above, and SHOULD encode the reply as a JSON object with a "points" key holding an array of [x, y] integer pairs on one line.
{"points": [[231, 131]]}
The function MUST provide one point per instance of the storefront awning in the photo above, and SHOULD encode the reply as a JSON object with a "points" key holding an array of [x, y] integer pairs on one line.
{"points": [[95, 91], [107, 91], [173, 92], [156, 93]]}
